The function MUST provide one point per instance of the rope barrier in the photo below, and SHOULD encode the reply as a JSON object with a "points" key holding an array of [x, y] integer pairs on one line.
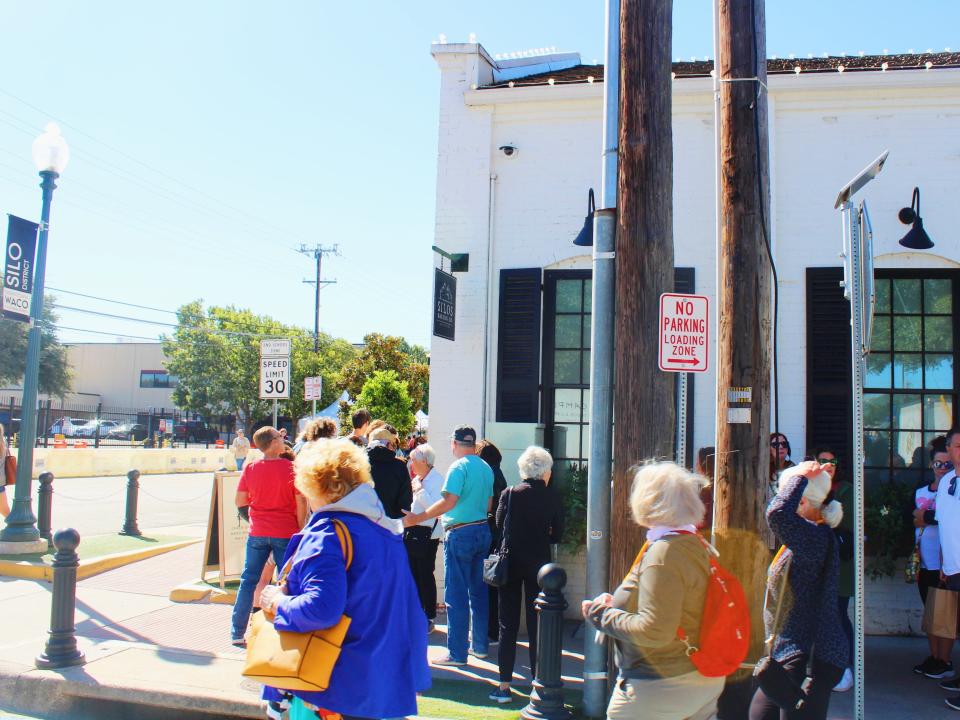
{"points": [[174, 502], [79, 499]]}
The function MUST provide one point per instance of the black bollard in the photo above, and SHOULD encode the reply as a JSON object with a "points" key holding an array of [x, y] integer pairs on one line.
{"points": [[45, 505], [546, 700], [133, 492], [61, 650]]}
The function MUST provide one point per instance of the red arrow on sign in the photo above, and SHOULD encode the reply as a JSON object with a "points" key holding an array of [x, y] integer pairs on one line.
{"points": [[694, 361]]}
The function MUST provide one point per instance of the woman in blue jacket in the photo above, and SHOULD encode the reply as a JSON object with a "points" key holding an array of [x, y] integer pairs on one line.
{"points": [[383, 663]]}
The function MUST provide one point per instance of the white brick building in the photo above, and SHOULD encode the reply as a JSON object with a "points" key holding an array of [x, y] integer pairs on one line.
{"points": [[517, 217]]}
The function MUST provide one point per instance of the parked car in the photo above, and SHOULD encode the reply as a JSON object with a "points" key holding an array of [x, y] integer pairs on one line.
{"points": [[195, 431], [68, 427], [89, 430], [128, 431]]}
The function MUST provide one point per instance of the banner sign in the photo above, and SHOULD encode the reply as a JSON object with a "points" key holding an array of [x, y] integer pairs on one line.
{"points": [[444, 304], [18, 268]]}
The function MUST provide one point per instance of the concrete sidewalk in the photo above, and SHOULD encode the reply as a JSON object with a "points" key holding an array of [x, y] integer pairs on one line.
{"points": [[144, 649]]}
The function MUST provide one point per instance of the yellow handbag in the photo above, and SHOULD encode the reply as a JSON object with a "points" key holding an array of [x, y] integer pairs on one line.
{"points": [[294, 660]]}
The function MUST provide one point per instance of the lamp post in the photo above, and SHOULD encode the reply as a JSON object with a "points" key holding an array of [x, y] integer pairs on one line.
{"points": [[50, 155]]}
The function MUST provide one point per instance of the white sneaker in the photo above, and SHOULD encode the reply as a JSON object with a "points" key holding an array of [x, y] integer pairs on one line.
{"points": [[846, 682]]}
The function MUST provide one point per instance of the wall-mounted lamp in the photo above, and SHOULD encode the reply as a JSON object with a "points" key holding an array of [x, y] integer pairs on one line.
{"points": [[585, 236], [916, 238]]}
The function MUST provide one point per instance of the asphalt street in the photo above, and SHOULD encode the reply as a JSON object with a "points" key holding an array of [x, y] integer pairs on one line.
{"points": [[96, 505]]}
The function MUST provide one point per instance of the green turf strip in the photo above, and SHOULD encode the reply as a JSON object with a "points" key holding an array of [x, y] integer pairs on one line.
{"points": [[97, 546], [460, 700]]}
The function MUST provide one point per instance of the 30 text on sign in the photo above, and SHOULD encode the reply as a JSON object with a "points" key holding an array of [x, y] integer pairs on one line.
{"points": [[274, 378], [684, 332]]}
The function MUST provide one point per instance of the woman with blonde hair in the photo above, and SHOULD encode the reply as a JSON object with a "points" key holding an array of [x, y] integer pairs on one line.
{"points": [[664, 590], [383, 663], [801, 613]]}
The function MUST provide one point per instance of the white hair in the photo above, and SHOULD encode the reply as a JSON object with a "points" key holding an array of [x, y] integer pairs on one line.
{"points": [[666, 494], [534, 463], [424, 453]]}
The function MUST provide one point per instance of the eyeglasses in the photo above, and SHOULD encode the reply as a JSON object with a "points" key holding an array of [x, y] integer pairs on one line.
{"points": [[778, 444], [828, 461], [942, 465]]}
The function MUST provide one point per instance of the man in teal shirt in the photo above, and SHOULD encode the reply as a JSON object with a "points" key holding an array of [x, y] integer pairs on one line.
{"points": [[467, 496]]}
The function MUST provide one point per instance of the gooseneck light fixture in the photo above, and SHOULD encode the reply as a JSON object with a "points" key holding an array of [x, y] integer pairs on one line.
{"points": [[585, 236], [916, 237]]}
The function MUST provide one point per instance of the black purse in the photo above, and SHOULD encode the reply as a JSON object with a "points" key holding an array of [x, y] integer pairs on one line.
{"points": [[771, 675], [495, 566]]}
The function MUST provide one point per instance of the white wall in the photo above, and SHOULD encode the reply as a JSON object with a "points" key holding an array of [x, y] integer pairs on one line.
{"points": [[824, 129], [112, 371]]}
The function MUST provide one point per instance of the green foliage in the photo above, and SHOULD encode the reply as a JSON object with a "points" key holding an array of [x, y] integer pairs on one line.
{"points": [[574, 494], [385, 395], [386, 352], [55, 376], [889, 535], [216, 352]]}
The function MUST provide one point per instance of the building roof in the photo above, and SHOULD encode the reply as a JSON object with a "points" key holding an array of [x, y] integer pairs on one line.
{"points": [[775, 66]]}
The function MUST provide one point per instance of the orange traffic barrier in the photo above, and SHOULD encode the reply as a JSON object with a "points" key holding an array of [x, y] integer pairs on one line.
{"points": [[59, 441], [79, 443], [219, 443]]}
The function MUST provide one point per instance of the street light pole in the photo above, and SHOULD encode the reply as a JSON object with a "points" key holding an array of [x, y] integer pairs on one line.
{"points": [[50, 153]]}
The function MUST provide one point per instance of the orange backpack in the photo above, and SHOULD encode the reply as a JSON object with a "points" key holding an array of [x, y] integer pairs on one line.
{"points": [[724, 624]]}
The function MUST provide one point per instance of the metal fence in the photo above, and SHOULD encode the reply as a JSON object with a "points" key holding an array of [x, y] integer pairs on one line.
{"points": [[99, 425]]}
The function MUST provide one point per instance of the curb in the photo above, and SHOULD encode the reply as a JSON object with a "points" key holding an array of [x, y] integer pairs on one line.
{"points": [[40, 571], [199, 592]]}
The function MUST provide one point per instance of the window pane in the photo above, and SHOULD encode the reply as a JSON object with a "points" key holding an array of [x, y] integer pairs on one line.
{"points": [[938, 334], [883, 296], [906, 412], [878, 370], [585, 441], [566, 405], [937, 297], [938, 371], [875, 478], [876, 410], [586, 368], [586, 405], [906, 333], [566, 367], [587, 295], [909, 478], [568, 295], [568, 331], [880, 340], [586, 330], [906, 295], [905, 444], [906, 371], [937, 412], [877, 448], [566, 441]]}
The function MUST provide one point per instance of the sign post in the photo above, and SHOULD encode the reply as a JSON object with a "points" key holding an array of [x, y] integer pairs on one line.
{"points": [[275, 371], [684, 333], [313, 390]]}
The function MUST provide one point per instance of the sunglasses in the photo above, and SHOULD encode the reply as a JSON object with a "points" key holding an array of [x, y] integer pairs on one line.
{"points": [[778, 444], [828, 461], [942, 465]]}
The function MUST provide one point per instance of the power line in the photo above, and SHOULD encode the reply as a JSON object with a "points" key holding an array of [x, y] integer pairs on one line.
{"points": [[101, 332], [115, 302]]}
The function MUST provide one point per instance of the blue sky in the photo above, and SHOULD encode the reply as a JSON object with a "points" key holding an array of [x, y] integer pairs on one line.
{"points": [[210, 139]]}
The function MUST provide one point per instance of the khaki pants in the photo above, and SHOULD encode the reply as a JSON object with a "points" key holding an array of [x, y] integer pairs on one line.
{"points": [[684, 697]]}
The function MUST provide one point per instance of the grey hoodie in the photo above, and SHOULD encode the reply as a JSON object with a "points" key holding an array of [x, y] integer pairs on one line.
{"points": [[363, 500]]}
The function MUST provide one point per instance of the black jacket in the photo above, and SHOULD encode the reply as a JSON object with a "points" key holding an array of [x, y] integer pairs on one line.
{"points": [[391, 480], [536, 523]]}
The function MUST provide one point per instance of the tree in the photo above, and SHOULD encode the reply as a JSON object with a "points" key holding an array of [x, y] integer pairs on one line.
{"points": [[385, 395], [386, 352], [55, 374], [216, 355]]}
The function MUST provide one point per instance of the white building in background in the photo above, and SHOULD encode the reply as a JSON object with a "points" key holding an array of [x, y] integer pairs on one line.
{"points": [[519, 147], [123, 375]]}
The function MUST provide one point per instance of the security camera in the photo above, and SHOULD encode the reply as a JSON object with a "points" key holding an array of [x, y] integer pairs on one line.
{"points": [[509, 151]]}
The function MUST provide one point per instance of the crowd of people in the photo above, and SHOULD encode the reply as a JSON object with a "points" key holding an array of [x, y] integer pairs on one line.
{"points": [[396, 508]]}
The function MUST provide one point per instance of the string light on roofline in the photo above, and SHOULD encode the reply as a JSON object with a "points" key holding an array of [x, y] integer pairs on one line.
{"points": [[551, 81], [797, 69], [472, 38], [442, 39], [840, 68], [590, 79], [510, 84], [884, 67], [928, 65]]}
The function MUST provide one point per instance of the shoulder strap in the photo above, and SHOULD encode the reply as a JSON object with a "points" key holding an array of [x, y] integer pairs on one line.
{"points": [[346, 545], [766, 598], [505, 538]]}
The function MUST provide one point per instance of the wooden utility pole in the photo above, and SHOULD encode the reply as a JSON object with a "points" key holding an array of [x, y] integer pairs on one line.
{"points": [[744, 333], [643, 395]]}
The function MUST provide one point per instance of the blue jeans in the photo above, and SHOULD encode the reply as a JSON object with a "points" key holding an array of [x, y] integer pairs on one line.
{"points": [[464, 551], [240, 463], [258, 550]]}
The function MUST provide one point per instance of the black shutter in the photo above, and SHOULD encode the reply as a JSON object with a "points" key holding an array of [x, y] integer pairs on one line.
{"points": [[683, 280], [829, 413], [518, 346]]}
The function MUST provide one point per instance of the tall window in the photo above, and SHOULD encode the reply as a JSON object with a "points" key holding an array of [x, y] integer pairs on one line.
{"points": [[911, 378], [567, 305]]}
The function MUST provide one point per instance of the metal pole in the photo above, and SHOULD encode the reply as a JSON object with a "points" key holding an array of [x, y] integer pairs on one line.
{"points": [[601, 368], [275, 413], [45, 506], [854, 292], [316, 309], [546, 699], [21, 522], [133, 493], [61, 649], [45, 425], [96, 430], [680, 451]]}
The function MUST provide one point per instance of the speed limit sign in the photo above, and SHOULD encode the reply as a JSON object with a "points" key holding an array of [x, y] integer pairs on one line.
{"points": [[274, 378]]}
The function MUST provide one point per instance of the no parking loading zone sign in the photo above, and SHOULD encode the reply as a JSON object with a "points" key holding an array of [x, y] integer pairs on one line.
{"points": [[684, 333]]}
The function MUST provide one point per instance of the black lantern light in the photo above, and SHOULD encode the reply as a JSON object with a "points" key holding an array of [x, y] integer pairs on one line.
{"points": [[585, 236], [916, 238]]}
